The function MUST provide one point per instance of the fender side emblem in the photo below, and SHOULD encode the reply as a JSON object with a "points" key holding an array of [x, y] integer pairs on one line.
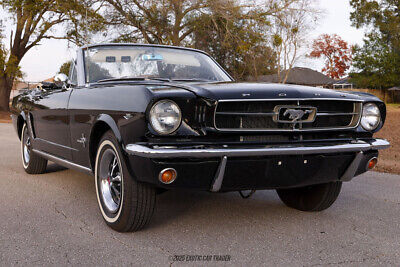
{"points": [[82, 140], [128, 116]]}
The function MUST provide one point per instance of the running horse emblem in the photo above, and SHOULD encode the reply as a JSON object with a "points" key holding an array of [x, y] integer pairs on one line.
{"points": [[296, 114]]}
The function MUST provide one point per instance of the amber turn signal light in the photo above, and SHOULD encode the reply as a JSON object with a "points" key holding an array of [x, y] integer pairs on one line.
{"points": [[167, 176], [372, 163]]}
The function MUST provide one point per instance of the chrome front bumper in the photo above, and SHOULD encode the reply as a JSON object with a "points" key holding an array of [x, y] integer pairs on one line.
{"points": [[359, 147], [269, 150]]}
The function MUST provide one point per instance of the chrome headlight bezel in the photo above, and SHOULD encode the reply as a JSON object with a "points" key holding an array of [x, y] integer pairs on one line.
{"points": [[371, 117], [161, 127]]}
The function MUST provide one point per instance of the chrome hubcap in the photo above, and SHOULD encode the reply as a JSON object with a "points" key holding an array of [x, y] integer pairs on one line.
{"points": [[27, 147], [110, 180]]}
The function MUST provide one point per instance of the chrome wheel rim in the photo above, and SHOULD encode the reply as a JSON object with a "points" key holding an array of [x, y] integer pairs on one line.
{"points": [[26, 147], [110, 180]]}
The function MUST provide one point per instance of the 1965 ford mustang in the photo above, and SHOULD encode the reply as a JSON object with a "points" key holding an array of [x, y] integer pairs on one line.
{"points": [[145, 118]]}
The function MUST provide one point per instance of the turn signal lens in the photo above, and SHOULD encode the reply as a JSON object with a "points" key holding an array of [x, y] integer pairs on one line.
{"points": [[372, 163], [167, 176]]}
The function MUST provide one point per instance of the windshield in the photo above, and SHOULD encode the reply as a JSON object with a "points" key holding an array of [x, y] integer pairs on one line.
{"points": [[146, 62]]}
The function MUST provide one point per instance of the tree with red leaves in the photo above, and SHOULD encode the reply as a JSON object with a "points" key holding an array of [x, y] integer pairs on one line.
{"points": [[336, 53]]}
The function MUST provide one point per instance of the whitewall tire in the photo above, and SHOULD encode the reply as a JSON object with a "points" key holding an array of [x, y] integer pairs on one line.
{"points": [[125, 204]]}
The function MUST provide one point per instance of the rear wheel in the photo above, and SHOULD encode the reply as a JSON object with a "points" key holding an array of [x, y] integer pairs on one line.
{"points": [[126, 205], [32, 163], [311, 198]]}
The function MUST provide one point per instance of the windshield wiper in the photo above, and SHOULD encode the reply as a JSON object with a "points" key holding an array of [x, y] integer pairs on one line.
{"points": [[126, 78], [121, 79], [160, 79], [190, 80]]}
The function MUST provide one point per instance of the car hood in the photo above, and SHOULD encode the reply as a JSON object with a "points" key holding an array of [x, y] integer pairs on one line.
{"points": [[245, 90], [234, 90]]}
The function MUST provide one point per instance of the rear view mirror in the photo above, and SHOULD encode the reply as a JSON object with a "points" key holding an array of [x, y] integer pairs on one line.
{"points": [[152, 57]]}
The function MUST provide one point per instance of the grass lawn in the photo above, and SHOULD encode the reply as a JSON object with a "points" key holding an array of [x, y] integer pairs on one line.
{"points": [[389, 159]]}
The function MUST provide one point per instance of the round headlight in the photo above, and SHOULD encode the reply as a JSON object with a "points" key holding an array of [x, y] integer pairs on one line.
{"points": [[165, 116], [371, 117]]}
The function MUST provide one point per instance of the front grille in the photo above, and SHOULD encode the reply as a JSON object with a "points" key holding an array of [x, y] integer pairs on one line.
{"points": [[264, 115]]}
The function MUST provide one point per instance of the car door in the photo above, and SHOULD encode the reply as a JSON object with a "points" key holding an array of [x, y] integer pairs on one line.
{"points": [[51, 122], [80, 122]]}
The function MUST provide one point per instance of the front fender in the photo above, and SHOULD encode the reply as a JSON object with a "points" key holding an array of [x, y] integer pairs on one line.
{"points": [[107, 119]]}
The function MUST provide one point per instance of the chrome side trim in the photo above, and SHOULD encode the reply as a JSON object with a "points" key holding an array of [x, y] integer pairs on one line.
{"points": [[301, 149], [63, 162], [219, 176], [54, 144], [352, 169]]}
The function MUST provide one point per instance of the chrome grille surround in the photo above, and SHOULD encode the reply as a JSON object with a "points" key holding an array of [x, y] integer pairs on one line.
{"points": [[271, 114]]}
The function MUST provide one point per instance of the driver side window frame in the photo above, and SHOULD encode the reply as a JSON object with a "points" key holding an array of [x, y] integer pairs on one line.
{"points": [[73, 75]]}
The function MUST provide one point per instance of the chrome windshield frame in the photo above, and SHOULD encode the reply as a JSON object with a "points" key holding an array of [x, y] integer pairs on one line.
{"points": [[81, 53]]}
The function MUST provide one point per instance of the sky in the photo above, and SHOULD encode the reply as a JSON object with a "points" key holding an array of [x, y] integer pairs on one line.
{"points": [[43, 61], [334, 20]]}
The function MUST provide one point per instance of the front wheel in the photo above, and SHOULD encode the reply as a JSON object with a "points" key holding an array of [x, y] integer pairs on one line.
{"points": [[311, 198], [126, 205]]}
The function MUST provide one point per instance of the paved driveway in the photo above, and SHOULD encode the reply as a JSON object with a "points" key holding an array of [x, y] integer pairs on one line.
{"points": [[54, 219]]}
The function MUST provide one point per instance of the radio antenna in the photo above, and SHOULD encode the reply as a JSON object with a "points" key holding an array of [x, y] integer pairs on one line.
{"points": [[86, 28], [87, 44]]}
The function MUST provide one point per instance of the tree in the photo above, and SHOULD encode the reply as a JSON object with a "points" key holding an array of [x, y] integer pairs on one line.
{"points": [[290, 30], [377, 65], [377, 62], [8, 68], [169, 21], [34, 21], [64, 68], [7, 62], [336, 53], [236, 38], [235, 32], [154, 21]]}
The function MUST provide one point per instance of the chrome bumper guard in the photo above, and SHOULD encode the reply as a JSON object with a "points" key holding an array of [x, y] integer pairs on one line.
{"points": [[303, 149]]}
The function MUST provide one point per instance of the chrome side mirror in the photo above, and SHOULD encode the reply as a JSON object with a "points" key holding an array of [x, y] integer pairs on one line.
{"points": [[61, 80]]}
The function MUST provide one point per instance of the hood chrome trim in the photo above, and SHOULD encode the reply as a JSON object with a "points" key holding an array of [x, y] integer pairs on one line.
{"points": [[289, 99]]}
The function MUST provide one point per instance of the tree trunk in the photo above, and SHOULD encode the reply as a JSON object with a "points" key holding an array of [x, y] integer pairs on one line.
{"points": [[5, 90]]}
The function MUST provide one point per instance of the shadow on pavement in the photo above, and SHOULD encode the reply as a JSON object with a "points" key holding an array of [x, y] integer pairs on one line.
{"points": [[52, 167]]}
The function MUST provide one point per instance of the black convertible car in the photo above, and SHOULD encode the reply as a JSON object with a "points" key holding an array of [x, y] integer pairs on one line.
{"points": [[146, 118]]}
